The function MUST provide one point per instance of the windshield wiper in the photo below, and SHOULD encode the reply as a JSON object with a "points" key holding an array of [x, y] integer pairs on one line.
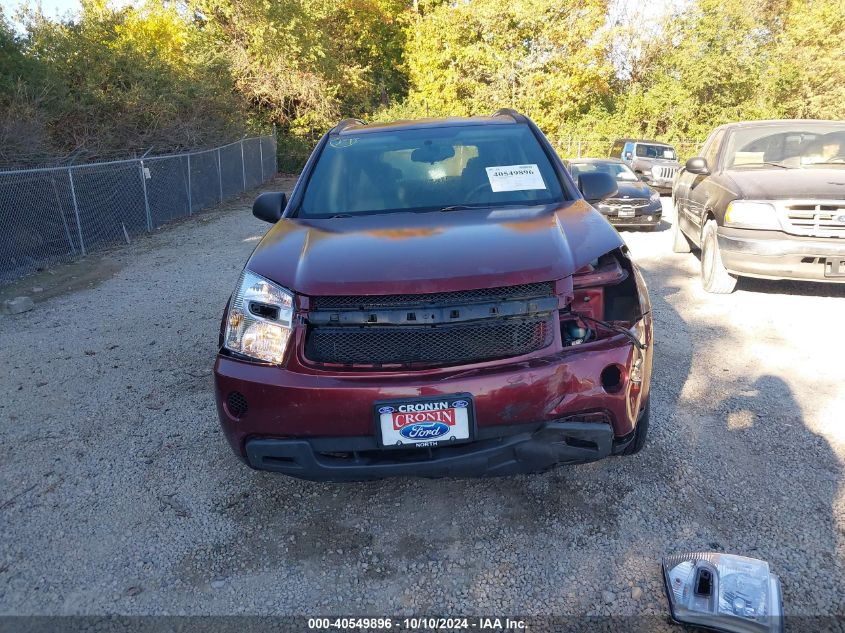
{"points": [[772, 163], [461, 207]]}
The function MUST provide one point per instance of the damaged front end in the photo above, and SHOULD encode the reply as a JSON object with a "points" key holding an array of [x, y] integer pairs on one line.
{"points": [[609, 316], [560, 374]]}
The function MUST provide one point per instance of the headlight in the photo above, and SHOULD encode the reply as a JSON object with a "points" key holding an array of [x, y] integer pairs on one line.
{"points": [[752, 215], [259, 320], [655, 197]]}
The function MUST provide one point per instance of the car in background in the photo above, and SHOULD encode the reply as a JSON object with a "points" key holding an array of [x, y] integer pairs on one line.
{"points": [[636, 205], [765, 199], [436, 298], [655, 163]]}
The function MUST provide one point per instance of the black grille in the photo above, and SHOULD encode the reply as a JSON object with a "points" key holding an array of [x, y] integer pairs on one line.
{"points": [[480, 295], [431, 346], [623, 202]]}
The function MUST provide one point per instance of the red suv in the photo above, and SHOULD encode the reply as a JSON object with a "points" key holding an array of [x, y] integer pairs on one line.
{"points": [[436, 298]]}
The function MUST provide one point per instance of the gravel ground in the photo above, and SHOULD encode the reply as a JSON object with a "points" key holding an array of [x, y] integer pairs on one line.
{"points": [[118, 493]]}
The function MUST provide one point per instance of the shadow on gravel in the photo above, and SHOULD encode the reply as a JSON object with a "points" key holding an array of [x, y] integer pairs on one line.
{"points": [[751, 476], [795, 288], [731, 464]]}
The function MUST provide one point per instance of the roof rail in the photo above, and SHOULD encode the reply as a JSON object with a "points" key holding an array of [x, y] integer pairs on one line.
{"points": [[512, 113], [345, 123]]}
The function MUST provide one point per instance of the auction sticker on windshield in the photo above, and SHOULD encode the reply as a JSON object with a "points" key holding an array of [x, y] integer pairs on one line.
{"points": [[515, 178], [425, 422]]}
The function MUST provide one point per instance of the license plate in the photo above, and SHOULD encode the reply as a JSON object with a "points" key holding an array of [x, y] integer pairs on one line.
{"points": [[626, 213], [425, 422]]}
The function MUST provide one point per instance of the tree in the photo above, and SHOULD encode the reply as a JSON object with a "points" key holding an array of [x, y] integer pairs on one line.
{"points": [[546, 58], [807, 76], [304, 63]]}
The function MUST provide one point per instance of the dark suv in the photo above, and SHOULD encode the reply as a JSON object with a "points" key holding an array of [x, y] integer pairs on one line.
{"points": [[654, 162], [436, 298], [765, 199]]}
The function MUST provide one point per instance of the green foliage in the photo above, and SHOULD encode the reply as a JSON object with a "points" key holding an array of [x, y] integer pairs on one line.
{"points": [[179, 73], [808, 78], [538, 56], [305, 63]]}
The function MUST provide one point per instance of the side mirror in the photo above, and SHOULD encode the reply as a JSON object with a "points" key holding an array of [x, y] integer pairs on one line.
{"points": [[269, 206], [628, 155], [697, 165], [597, 186]]}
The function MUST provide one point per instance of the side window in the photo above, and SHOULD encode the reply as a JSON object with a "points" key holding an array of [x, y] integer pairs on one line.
{"points": [[616, 150], [710, 152]]}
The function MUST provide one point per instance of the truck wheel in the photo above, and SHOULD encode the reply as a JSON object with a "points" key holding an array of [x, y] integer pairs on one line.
{"points": [[640, 433], [681, 243], [714, 277]]}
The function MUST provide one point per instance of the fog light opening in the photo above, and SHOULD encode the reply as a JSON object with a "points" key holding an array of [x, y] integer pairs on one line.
{"points": [[611, 378], [236, 404]]}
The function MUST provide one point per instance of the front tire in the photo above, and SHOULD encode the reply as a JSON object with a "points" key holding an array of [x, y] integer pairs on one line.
{"points": [[714, 277], [681, 243]]}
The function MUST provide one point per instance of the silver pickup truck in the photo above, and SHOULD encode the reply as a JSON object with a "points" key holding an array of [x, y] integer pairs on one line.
{"points": [[654, 163]]}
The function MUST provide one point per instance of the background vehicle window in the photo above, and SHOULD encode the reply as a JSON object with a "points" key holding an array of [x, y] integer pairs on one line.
{"points": [[645, 150], [427, 169], [710, 153], [618, 171], [795, 144], [616, 150]]}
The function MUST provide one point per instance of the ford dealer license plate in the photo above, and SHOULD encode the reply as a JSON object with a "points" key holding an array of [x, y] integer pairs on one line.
{"points": [[425, 422], [626, 212]]}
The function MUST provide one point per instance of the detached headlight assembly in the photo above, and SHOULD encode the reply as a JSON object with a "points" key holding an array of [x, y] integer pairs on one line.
{"points": [[752, 215], [259, 321]]}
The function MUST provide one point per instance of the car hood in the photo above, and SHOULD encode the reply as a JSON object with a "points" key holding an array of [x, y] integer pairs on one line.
{"points": [[433, 252], [778, 184], [632, 190]]}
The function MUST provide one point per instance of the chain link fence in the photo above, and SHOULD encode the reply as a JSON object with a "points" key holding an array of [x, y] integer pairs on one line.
{"points": [[57, 214]]}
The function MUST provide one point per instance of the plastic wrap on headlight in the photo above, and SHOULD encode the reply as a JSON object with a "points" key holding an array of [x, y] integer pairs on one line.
{"points": [[259, 321]]}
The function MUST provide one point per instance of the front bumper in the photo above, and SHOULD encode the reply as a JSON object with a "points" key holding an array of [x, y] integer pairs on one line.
{"points": [[289, 413], [778, 255], [646, 216], [640, 220], [513, 452]]}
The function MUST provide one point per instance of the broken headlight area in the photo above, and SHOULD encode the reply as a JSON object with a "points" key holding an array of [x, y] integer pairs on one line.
{"points": [[610, 298], [723, 592]]}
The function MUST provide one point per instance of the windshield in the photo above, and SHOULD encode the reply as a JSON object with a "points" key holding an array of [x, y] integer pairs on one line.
{"points": [[430, 169], [619, 171], [796, 145], [665, 152]]}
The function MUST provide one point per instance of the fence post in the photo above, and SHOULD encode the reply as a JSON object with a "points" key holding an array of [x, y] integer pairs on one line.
{"points": [[220, 174], [243, 164], [146, 200], [579, 149], [62, 213], [190, 200], [76, 211], [261, 156]]}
